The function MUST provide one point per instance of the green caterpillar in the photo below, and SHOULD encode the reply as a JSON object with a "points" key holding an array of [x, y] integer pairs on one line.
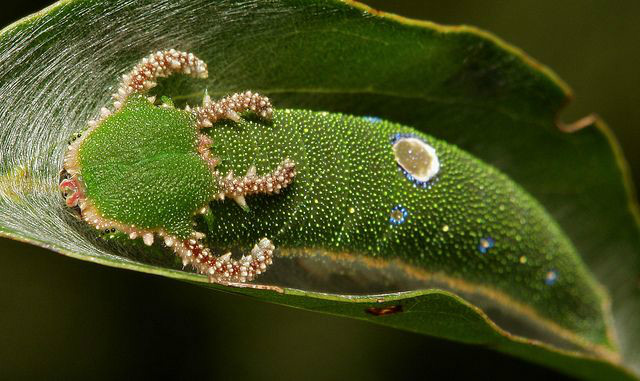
{"points": [[357, 196]]}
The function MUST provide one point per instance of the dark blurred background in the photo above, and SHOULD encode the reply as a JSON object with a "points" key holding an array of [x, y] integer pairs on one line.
{"points": [[63, 318]]}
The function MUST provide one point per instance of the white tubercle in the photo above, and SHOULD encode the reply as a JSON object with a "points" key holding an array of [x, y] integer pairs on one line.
{"points": [[147, 238]]}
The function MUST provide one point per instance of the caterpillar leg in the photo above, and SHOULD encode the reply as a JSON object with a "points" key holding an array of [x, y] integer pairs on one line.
{"points": [[230, 107], [222, 269], [238, 187]]}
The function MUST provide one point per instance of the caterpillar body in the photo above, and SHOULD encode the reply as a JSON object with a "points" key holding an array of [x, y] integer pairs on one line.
{"points": [[323, 201]]}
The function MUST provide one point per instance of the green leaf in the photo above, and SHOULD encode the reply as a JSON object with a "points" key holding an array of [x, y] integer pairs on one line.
{"points": [[455, 83]]}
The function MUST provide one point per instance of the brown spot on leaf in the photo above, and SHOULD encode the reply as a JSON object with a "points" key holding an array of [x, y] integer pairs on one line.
{"points": [[382, 311]]}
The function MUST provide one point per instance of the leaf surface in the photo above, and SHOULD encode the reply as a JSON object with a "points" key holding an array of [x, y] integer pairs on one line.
{"points": [[455, 83]]}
